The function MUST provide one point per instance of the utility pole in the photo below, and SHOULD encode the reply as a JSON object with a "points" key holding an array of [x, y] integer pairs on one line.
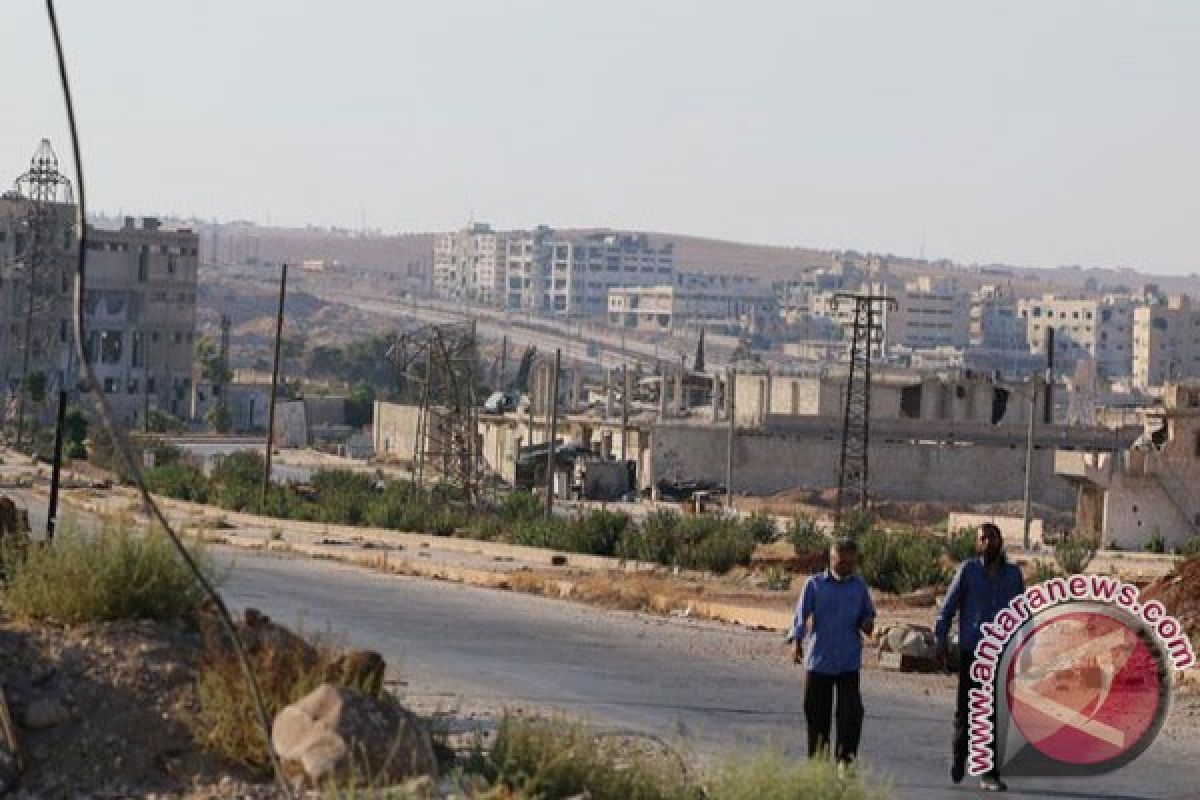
{"points": [[1028, 519], [730, 408], [624, 413], [56, 470], [266, 481], [145, 354], [550, 444]]}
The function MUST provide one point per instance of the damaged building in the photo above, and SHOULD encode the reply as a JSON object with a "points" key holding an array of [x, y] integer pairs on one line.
{"points": [[1128, 496]]}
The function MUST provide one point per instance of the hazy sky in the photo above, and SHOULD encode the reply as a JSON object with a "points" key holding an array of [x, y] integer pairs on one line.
{"points": [[1036, 133]]}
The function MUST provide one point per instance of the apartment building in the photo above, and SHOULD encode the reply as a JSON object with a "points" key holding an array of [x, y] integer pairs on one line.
{"points": [[468, 264], [996, 323], [737, 304], [1166, 343], [1084, 327], [140, 313], [37, 268], [929, 314], [545, 270]]}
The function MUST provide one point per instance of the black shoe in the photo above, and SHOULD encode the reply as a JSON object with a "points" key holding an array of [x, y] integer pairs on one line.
{"points": [[992, 783], [958, 769]]}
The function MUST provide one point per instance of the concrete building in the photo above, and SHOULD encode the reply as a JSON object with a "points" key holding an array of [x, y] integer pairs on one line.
{"points": [[929, 313], [468, 264], [48, 280], [1166, 343], [140, 309], [1084, 327], [581, 271], [1151, 489], [996, 323], [677, 307]]}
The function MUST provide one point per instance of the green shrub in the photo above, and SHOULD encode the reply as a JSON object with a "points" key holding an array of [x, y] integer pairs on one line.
{"points": [[655, 540], [806, 537], [900, 563], [1155, 544], [1042, 571], [544, 759], [343, 496], [761, 528], [961, 545], [855, 524], [115, 574], [1191, 547], [237, 481], [520, 506], [180, 481], [1073, 554], [718, 549], [597, 533], [772, 776]]}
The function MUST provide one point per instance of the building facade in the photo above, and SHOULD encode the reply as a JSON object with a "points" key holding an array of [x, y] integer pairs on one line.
{"points": [[1084, 327], [706, 300], [468, 265], [140, 312], [1166, 343]]}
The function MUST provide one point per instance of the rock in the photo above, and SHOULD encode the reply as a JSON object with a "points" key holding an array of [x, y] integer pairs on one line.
{"points": [[341, 735], [45, 712], [916, 644]]}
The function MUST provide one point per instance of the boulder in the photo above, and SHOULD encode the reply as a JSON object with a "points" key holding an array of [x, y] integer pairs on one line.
{"points": [[45, 712], [340, 735]]}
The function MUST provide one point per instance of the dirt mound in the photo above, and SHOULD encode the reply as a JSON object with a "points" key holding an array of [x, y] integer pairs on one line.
{"points": [[1180, 593], [102, 710]]}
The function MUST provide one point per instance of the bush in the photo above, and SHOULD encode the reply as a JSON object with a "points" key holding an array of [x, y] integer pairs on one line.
{"points": [[1191, 547], [855, 524], [1041, 572], [343, 496], [237, 481], [761, 528], [537, 758], [597, 533], [520, 506], [112, 575], [806, 537], [655, 541], [1155, 543], [180, 481], [900, 563], [715, 545], [771, 776], [1073, 554], [961, 546]]}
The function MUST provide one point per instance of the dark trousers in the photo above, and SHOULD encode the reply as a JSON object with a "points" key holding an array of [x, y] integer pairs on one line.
{"points": [[962, 710], [818, 712]]}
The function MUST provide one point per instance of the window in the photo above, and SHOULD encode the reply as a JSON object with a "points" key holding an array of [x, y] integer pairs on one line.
{"points": [[110, 347], [143, 265]]}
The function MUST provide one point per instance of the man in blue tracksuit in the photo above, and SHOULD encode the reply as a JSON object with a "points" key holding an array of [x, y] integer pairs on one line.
{"points": [[838, 605], [982, 587]]}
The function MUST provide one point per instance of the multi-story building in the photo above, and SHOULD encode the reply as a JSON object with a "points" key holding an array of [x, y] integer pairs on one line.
{"points": [[1166, 343], [995, 321], [1084, 327], [701, 300], [140, 314], [543, 270], [468, 264], [37, 265], [928, 314]]}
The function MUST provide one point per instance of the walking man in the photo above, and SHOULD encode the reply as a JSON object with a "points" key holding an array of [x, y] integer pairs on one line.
{"points": [[982, 587], [834, 611]]}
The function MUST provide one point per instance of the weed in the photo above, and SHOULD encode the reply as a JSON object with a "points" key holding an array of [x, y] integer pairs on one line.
{"points": [[806, 537], [1073, 554], [118, 573], [772, 776], [961, 545]]}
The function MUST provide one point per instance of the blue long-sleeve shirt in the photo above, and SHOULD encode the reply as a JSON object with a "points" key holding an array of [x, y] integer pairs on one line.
{"points": [[976, 597], [838, 609]]}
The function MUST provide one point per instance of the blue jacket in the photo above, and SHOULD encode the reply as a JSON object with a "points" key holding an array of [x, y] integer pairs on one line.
{"points": [[977, 598], [839, 609]]}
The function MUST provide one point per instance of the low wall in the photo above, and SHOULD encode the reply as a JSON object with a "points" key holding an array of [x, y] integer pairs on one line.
{"points": [[770, 462]]}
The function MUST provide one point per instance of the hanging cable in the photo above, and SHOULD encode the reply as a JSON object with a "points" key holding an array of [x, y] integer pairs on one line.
{"points": [[120, 443]]}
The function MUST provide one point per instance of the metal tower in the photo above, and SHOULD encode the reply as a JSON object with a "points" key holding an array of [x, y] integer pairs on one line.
{"points": [[856, 421], [48, 192], [441, 362]]}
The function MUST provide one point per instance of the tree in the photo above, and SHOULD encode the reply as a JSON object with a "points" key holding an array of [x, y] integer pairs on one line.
{"points": [[219, 418], [360, 405]]}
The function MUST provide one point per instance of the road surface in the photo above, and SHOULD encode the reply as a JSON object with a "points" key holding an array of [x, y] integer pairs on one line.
{"points": [[713, 688]]}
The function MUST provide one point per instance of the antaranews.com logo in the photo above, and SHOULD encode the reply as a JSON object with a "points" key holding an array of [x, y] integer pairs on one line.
{"points": [[1073, 679]]}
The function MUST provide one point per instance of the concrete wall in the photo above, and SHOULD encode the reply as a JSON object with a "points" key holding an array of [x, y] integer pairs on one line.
{"points": [[325, 410], [395, 431], [1135, 506], [766, 463], [1012, 528], [291, 427]]}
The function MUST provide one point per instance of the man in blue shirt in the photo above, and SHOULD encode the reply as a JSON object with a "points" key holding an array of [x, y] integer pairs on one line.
{"points": [[839, 606], [982, 587]]}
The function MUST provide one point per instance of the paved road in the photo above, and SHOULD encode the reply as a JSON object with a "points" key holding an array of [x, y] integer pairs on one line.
{"points": [[718, 688]]}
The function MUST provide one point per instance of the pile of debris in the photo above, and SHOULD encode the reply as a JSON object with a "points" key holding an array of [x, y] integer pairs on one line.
{"points": [[1180, 593]]}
